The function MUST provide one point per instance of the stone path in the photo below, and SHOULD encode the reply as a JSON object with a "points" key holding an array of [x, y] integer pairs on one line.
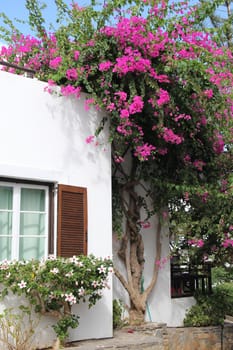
{"points": [[147, 338]]}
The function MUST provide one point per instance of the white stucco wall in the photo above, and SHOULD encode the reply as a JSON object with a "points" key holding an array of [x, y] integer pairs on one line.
{"points": [[43, 138]]}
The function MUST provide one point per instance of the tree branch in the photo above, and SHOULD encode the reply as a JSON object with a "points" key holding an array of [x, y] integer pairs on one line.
{"points": [[122, 280], [156, 266]]}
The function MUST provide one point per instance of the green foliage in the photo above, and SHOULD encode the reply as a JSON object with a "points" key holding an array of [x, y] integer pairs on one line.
{"points": [[211, 310], [62, 326], [208, 218], [118, 309], [217, 16], [222, 274], [54, 285]]}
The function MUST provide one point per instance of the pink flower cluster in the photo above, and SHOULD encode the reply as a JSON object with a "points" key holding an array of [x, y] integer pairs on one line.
{"points": [[132, 61], [228, 242], [170, 137], [196, 242], [163, 97], [144, 152]]}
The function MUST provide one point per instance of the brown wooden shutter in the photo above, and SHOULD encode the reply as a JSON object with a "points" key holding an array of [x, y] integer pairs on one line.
{"points": [[72, 221]]}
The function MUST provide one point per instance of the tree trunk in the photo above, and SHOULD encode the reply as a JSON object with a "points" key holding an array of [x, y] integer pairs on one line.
{"points": [[131, 252], [136, 317]]}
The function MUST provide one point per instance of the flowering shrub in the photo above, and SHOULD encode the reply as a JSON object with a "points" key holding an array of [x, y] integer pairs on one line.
{"points": [[55, 284]]}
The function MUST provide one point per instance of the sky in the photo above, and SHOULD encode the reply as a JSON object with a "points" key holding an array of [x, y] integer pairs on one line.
{"points": [[16, 9]]}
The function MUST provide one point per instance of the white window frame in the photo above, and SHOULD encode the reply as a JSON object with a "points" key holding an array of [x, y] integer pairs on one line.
{"points": [[16, 216]]}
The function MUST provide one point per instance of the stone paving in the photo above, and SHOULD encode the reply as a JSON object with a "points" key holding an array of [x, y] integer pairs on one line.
{"points": [[153, 336], [141, 338]]}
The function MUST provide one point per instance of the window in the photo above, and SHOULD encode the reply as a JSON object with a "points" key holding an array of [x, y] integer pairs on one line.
{"points": [[27, 221], [23, 221]]}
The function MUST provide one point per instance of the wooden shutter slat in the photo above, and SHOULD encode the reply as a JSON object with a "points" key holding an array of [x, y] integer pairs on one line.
{"points": [[72, 221]]}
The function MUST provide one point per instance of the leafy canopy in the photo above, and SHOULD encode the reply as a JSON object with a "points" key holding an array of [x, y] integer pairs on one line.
{"points": [[163, 84]]}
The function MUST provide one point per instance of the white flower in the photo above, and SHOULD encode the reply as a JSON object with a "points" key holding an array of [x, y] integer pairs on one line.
{"points": [[102, 269], [95, 284], [70, 298], [55, 270], [74, 259], [22, 284], [69, 274], [81, 291], [110, 269], [4, 265]]}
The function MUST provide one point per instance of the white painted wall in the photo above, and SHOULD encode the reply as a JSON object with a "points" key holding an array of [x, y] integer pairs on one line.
{"points": [[43, 138]]}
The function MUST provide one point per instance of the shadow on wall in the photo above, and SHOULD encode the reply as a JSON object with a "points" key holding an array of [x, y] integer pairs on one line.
{"points": [[77, 124]]}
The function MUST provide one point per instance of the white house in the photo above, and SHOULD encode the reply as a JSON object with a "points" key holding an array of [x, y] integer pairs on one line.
{"points": [[46, 162], [46, 172]]}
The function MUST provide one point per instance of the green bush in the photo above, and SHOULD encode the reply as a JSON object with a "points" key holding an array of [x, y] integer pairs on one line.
{"points": [[211, 310], [222, 275], [118, 309], [52, 286]]}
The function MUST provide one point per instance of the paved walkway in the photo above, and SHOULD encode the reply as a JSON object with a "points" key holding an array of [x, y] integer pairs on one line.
{"points": [[149, 338]]}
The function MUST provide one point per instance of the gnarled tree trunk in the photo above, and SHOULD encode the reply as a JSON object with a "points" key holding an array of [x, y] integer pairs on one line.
{"points": [[131, 252]]}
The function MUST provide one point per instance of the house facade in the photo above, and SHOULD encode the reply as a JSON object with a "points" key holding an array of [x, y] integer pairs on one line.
{"points": [[55, 189], [55, 198]]}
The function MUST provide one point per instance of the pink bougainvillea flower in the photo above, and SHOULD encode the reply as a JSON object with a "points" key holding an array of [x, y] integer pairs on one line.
{"points": [[145, 224], [199, 164], [90, 139], [144, 152], [170, 137], [218, 145], [104, 66], [208, 93], [196, 243], [124, 113], [76, 55], [71, 90], [227, 243], [137, 105], [163, 97], [55, 62], [118, 159], [72, 74]]}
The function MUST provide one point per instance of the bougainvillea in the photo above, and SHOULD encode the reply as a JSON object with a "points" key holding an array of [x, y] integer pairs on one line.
{"points": [[164, 86]]}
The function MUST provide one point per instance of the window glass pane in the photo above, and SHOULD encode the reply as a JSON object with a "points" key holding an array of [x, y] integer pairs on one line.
{"points": [[5, 223], [31, 248], [5, 251], [32, 199], [32, 224], [6, 196]]}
